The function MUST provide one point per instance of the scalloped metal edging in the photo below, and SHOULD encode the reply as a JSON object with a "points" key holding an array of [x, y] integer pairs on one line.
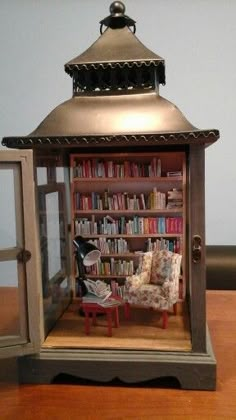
{"points": [[152, 139]]}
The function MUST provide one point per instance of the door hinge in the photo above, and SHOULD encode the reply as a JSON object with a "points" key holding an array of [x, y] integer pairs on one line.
{"points": [[197, 249]]}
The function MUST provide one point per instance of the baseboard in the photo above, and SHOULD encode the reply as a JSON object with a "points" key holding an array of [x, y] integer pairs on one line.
{"points": [[191, 370]]}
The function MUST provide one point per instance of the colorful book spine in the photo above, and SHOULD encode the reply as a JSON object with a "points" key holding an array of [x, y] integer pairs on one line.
{"points": [[101, 168], [120, 201], [111, 268], [129, 226]]}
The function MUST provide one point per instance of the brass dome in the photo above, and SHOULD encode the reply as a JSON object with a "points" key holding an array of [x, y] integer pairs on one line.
{"points": [[113, 115], [115, 97]]}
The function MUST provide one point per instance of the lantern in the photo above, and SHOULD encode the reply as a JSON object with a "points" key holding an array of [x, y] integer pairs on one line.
{"points": [[120, 166]]}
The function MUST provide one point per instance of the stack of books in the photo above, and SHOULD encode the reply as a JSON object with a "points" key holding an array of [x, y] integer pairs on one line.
{"points": [[174, 199]]}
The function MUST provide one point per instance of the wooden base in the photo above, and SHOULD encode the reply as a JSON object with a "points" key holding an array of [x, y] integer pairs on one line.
{"points": [[192, 370]]}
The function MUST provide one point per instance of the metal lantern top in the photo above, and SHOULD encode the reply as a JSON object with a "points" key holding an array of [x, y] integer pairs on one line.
{"points": [[115, 97]]}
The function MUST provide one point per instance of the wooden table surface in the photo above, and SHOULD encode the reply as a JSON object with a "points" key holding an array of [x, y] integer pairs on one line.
{"points": [[102, 402]]}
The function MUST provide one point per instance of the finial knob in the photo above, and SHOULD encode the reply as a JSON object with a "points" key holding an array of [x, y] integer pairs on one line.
{"points": [[117, 18], [117, 7]]}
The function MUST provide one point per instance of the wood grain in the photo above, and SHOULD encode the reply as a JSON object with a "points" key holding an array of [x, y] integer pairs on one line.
{"points": [[9, 311], [197, 271], [76, 401], [143, 331]]}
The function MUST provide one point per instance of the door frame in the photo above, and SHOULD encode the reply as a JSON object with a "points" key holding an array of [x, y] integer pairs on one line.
{"points": [[31, 306]]}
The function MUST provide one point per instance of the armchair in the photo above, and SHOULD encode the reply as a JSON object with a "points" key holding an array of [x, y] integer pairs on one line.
{"points": [[156, 285]]}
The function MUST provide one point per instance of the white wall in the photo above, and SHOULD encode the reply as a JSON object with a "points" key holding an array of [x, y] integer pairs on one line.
{"points": [[197, 39]]}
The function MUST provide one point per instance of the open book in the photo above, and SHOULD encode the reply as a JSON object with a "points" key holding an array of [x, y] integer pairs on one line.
{"points": [[98, 288], [99, 292]]}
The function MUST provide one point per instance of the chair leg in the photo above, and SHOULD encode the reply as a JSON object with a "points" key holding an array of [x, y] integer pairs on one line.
{"points": [[127, 310], [164, 319], [175, 308]]}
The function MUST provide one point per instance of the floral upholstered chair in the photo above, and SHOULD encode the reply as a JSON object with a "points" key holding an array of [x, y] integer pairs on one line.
{"points": [[157, 283]]}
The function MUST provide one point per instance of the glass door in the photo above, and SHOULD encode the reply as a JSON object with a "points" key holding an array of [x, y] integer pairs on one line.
{"points": [[20, 311], [52, 180]]}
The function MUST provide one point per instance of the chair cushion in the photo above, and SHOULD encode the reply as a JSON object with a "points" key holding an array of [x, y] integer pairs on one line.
{"points": [[165, 266], [153, 296], [166, 270]]}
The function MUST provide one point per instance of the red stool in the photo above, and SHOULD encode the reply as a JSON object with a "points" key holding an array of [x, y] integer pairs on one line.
{"points": [[94, 309]]}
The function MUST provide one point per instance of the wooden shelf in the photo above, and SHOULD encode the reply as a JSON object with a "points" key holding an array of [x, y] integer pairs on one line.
{"points": [[127, 255], [159, 179], [110, 276], [150, 235], [130, 212]]}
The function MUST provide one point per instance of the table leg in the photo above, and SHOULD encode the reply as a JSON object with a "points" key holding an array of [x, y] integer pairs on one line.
{"points": [[117, 322], [87, 323], [127, 310], [109, 322], [94, 317]]}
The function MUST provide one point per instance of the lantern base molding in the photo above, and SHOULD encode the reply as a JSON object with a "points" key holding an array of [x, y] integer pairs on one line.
{"points": [[191, 370]]}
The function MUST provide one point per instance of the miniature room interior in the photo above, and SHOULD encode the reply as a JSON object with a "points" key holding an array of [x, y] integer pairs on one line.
{"points": [[74, 198]]}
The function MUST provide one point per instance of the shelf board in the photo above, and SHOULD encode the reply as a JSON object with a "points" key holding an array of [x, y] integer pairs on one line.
{"points": [[131, 212], [126, 255], [131, 179], [108, 276], [133, 236]]}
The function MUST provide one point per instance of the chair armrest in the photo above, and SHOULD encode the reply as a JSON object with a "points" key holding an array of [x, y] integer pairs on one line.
{"points": [[137, 280], [170, 291]]}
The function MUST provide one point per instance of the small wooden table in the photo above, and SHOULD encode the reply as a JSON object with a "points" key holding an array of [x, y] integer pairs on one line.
{"points": [[94, 309]]}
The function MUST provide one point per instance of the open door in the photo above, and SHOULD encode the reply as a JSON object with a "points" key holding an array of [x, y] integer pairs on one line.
{"points": [[20, 272]]}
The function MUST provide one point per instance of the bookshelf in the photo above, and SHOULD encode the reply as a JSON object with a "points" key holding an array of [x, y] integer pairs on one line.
{"points": [[126, 204]]}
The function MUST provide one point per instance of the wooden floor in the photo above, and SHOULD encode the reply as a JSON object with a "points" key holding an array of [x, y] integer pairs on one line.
{"points": [[142, 331], [86, 402]]}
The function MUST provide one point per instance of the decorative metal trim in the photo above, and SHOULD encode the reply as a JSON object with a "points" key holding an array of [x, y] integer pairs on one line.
{"points": [[117, 78], [133, 26], [121, 64], [69, 68], [197, 137]]}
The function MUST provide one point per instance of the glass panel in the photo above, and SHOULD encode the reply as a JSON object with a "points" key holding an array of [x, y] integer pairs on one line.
{"points": [[7, 209], [9, 299], [53, 193], [60, 290], [53, 238], [60, 174], [42, 176], [53, 234]]}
